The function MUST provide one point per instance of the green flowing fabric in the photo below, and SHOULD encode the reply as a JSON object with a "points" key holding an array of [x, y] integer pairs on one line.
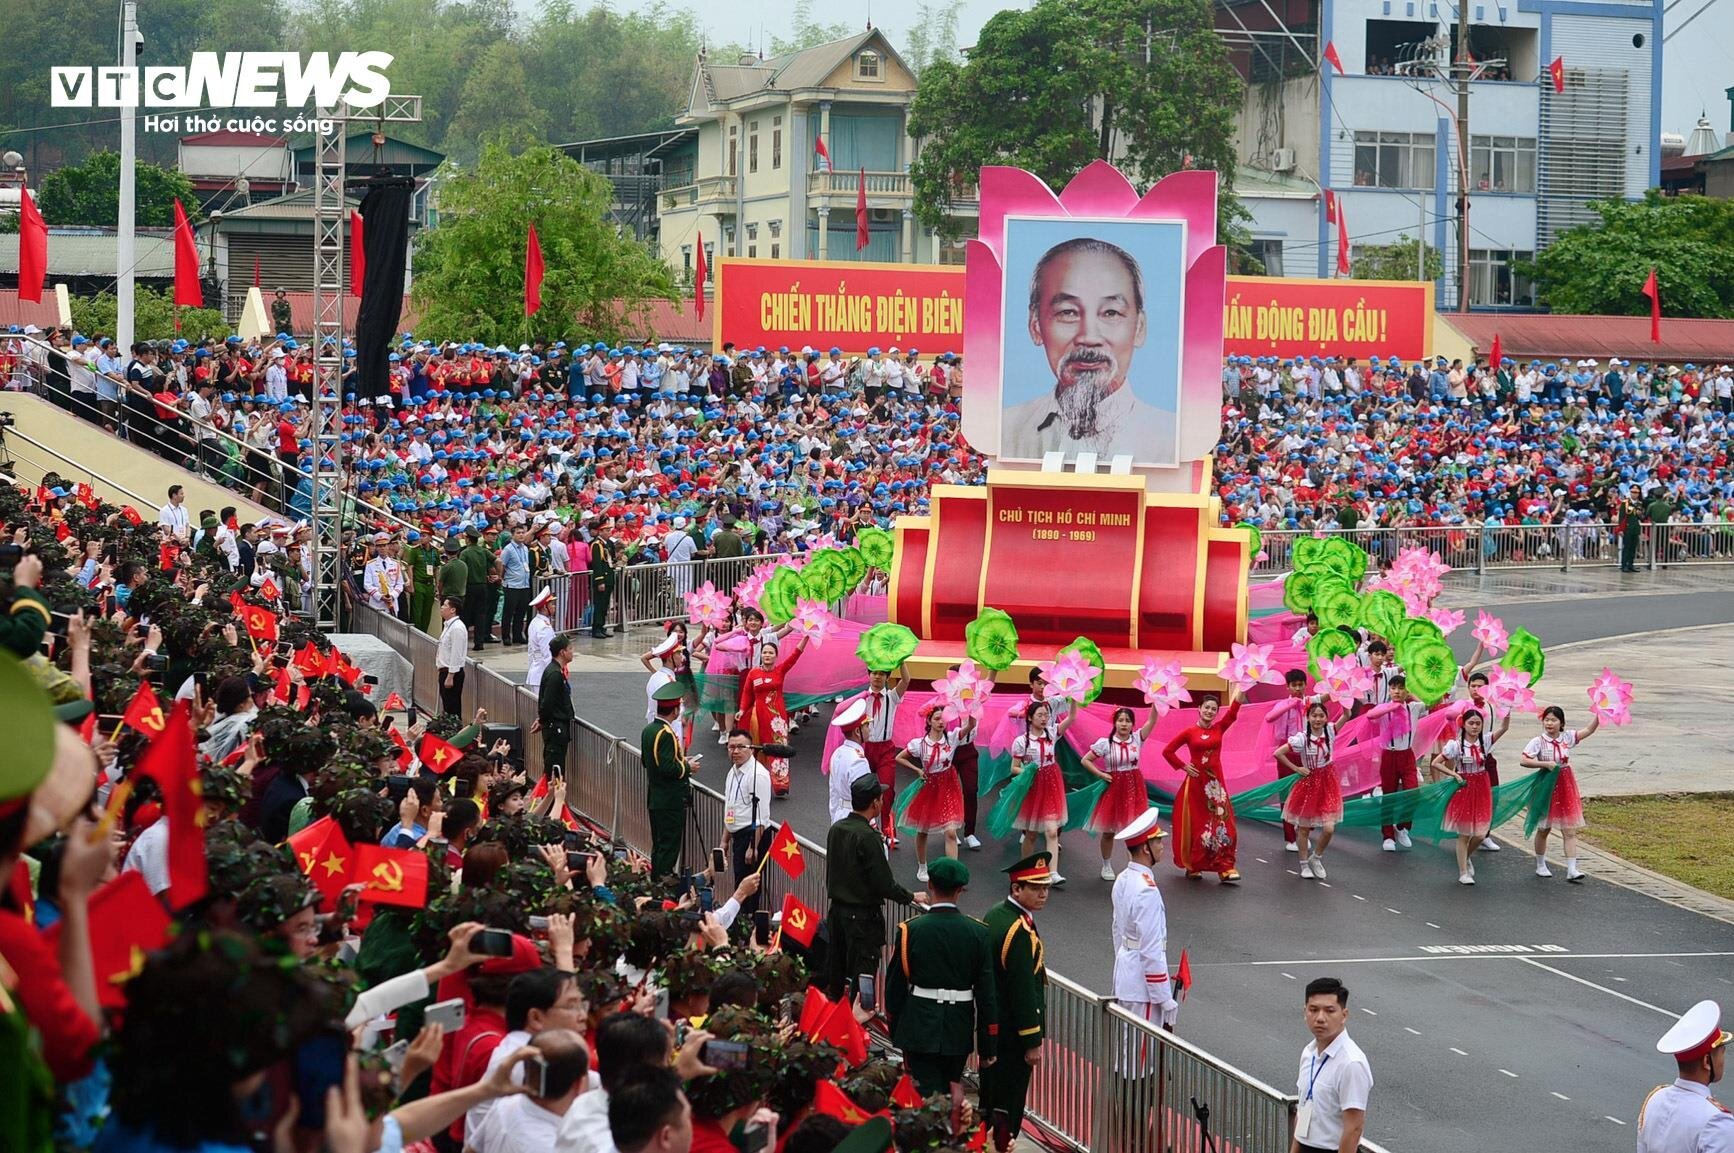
{"points": [[721, 693], [904, 799], [1005, 810], [1422, 807], [991, 769], [1538, 795], [1080, 803], [1263, 802]]}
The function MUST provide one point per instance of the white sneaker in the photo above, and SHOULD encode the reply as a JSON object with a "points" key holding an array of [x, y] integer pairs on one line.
{"points": [[972, 842], [723, 740], [1404, 840], [921, 871], [1307, 870], [1319, 867], [1465, 878], [1059, 880], [1574, 876], [1290, 847], [1541, 869], [1471, 865], [1107, 871], [1488, 845], [1389, 845]]}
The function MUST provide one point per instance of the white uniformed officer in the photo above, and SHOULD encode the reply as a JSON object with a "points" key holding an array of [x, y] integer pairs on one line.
{"points": [[848, 760], [383, 576], [1141, 981], [1683, 1117]]}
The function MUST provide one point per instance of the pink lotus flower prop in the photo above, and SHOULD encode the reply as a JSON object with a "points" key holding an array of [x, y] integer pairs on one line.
{"points": [[752, 585], [964, 692], [1070, 678], [1250, 665], [1490, 632], [1611, 699], [1099, 192], [1508, 692], [707, 605], [1448, 620], [813, 620], [1163, 685], [1343, 679]]}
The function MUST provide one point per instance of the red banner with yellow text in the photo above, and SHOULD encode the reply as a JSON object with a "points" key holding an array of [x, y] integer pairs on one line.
{"points": [[1280, 316], [839, 304], [855, 307]]}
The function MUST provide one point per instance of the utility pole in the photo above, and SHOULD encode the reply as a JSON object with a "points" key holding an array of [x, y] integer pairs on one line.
{"points": [[1463, 69], [124, 239]]}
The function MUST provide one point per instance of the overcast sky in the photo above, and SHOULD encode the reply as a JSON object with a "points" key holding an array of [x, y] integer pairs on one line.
{"points": [[1699, 63]]}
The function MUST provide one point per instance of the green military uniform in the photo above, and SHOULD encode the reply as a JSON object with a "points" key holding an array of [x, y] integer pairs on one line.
{"points": [[1631, 517], [23, 626], [419, 560], [601, 584], [555, 713], [478, 560], [1021, 982], [860, 882], [281, 314], [1659, 512], [939, 991], [667, 793]]}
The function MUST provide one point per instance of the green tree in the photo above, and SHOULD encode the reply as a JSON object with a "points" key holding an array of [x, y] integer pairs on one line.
{"points": [[1600, 268], [89, 194], [933, 36], [469, 278], [1395, 261], [1144, 83], [806, 32], [496, 100], [153, 316]]}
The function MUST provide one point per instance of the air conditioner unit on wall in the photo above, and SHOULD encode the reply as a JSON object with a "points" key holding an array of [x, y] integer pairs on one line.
{"points": [[1282, 160]]}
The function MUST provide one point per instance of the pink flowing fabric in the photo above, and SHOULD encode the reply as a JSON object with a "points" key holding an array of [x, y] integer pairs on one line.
{"points": [[830, 669], [869, 610], [1274, 629], [1264, 595]]}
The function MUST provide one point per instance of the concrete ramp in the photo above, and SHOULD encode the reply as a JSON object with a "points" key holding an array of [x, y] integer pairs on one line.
{"points": [[49, 439]]}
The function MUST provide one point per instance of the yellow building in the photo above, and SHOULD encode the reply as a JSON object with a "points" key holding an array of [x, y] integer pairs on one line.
{"points": [[751, 181]]}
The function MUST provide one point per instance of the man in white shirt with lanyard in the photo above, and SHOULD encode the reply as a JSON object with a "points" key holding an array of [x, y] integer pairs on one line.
{"points": [[174, 515], [1334, 1080], [746, 805], [541, 632], [454, 648], [848, 761]]}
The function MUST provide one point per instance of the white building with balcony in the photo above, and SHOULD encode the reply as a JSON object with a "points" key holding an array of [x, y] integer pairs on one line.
{"points": [[1383, 136], [750, 182]]}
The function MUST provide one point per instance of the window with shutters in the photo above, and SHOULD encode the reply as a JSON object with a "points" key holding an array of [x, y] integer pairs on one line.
{"points": [[776, 143]]}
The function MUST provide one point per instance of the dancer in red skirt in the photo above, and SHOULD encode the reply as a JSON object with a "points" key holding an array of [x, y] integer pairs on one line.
{"points": [[1205, 835], [1115, 759], [938, 805], [763, 711], [1470, 811], [1286, 718], [1317, 802], [1044, 807], [1551, 752]]}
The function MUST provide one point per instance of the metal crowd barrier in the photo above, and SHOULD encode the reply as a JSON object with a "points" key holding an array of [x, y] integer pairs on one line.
{"points": [[1108, 1082], [646, 594], [1511, 547]]}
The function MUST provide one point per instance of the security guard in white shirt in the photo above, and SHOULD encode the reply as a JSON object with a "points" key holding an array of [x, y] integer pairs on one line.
{"points": [[1140, 928], [1683, 1117]]}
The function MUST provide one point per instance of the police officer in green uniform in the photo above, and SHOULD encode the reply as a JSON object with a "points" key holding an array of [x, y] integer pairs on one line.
{"points": [[602, 563], [480, 562], [859, 882], [1631, 521], [669, 773], [1021, 985], [418, 557], [939, 986]]}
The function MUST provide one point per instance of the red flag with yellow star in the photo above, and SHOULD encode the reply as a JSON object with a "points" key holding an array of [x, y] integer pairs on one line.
{"points": [[391, 876], [833, 1102], [905, 1095], [325, 855], [785, 852], [126, 922], [438, 755], [170, 762]]}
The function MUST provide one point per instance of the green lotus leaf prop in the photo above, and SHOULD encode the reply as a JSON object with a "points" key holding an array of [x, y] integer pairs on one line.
{"points": [[1297, 592], [1525, 655], [824, 575], [876, 547], [1344, 557], [1257, 538], [1382, 611], [991, 640], [781, 591], [1308, 553], [1430, 669], [854, 564], [1092, 653], [1328, 644], [885, 646], [1336, 606], [1413, 633]]}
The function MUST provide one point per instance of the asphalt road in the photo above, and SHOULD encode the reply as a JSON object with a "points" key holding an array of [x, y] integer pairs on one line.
{"points": [[1546, 1044]]}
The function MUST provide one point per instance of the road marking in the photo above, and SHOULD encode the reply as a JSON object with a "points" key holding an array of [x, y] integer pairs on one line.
{"points": [[1620, 979], [1562, 1096], [1406, 1029], [1357, 896], [1508, 1073], [1310, 961], [1368, 1011], [1615, 1120], [1601, 988], [1324, 884], [1290, 976], [1388, 909], [1431, 925], [1458, 1051], [1261, 860]]}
